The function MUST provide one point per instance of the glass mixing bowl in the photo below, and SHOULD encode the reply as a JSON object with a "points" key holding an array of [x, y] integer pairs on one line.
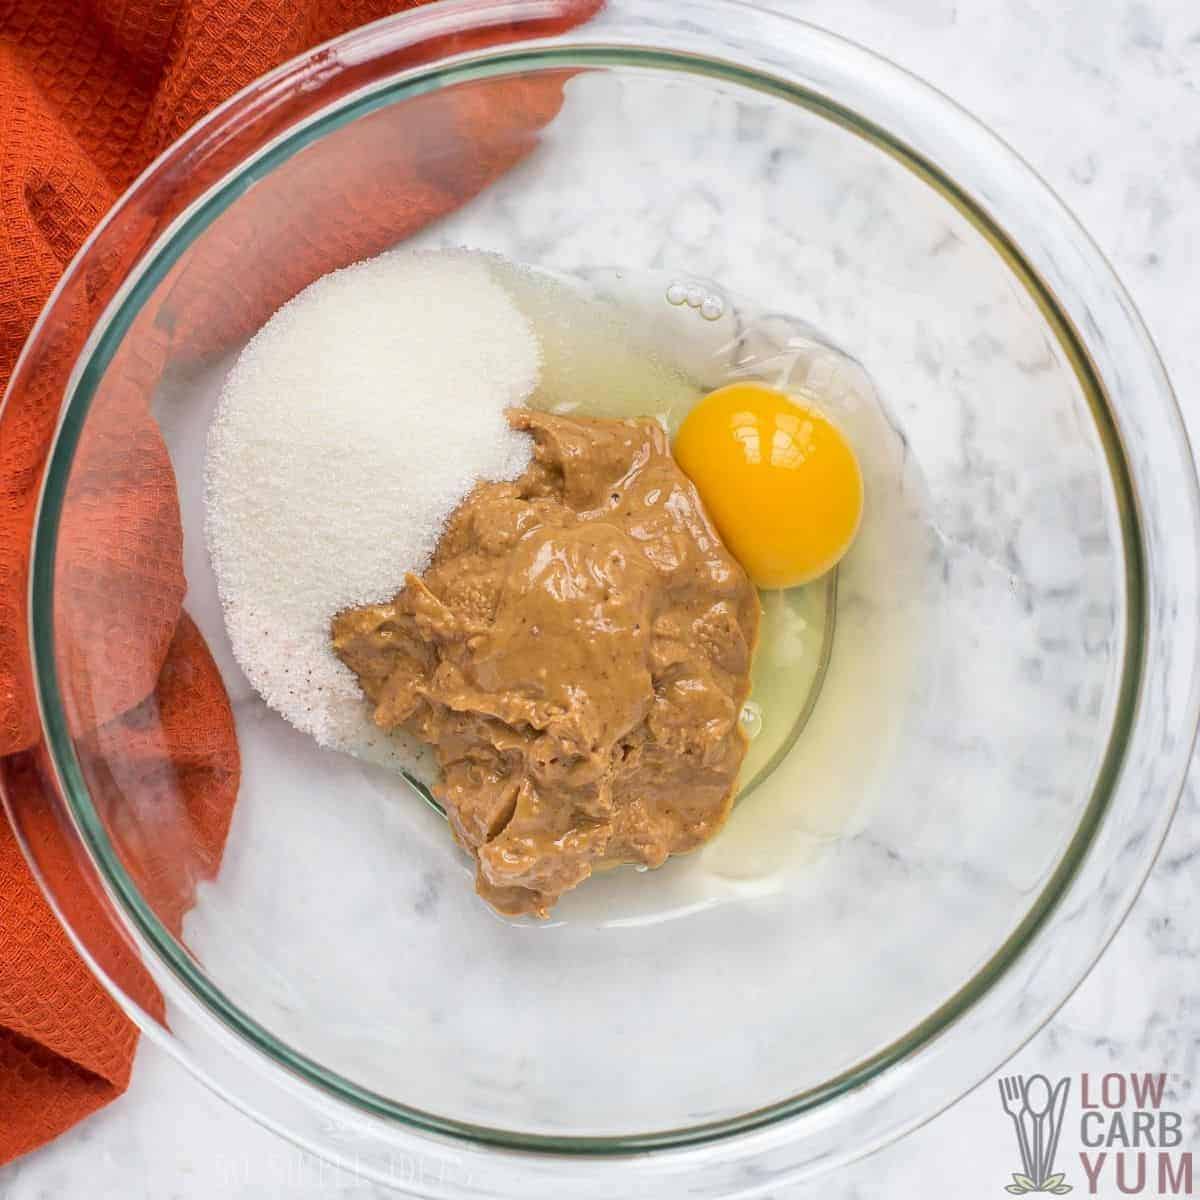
{"points": [[991, 820]]}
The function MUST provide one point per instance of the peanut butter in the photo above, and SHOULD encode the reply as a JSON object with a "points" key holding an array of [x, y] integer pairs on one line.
{"points": [[578, 654]]}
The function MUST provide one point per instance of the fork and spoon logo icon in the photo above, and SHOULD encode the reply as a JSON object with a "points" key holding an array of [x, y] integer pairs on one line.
{"points": [[1036, 1110]]}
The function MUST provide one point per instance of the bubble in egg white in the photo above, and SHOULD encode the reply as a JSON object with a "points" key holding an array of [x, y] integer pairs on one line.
{"points": [[677, 294], [751, 719]]}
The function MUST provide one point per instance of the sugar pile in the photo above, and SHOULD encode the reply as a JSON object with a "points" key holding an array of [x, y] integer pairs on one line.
{"points": [[349, 429]]}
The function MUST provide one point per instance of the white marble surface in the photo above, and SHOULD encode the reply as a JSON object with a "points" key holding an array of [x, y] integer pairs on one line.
{"points": [[1103, 98]]}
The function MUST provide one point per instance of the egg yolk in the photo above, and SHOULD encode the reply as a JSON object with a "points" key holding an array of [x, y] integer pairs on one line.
{"points": [[778, 479]]}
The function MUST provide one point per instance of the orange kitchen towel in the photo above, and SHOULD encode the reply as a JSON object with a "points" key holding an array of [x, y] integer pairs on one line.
{"points": [[90, 92]]}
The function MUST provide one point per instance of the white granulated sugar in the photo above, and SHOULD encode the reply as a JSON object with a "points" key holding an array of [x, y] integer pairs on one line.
{"points": [[349, 429]]}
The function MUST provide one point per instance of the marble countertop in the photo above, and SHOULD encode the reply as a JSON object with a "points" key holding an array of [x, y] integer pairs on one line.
{"points": [[1102, 97]]}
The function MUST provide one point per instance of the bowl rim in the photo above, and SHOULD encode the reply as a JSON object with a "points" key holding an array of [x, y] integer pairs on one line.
{"points": [[144, 925]]}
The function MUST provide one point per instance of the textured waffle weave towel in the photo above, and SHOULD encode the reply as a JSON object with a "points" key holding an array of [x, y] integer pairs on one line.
{"points": [[90, 92]]}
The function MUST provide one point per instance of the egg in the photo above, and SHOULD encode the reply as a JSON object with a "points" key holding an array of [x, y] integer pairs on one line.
{"points": [[778, 478]]}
